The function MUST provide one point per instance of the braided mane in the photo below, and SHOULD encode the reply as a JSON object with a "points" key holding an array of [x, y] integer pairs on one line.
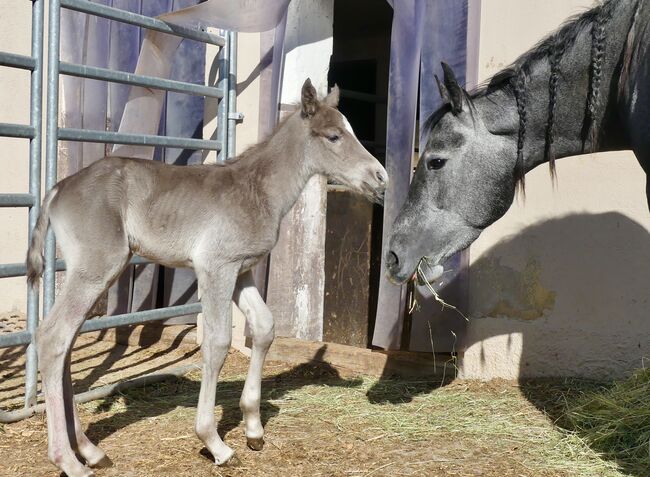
{"points": [[553, 47]]}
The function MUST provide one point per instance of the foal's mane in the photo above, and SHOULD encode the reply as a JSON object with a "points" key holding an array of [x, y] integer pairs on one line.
{"points": [[515, 78]]}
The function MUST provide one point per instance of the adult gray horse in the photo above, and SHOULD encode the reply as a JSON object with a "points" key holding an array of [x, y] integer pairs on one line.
{"points": [[584, 88]]}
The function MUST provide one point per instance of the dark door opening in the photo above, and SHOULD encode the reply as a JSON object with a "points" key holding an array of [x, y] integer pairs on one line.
{"points": [[359, 66]]}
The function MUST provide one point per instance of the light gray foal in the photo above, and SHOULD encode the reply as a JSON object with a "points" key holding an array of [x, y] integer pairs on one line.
{"points": [[218, 220]]}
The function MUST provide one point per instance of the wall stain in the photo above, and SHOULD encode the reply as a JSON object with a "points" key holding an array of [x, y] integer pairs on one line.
{"points": [[501, 291]]}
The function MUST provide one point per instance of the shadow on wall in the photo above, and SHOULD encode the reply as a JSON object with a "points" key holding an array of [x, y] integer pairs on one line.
{"points": [[567, 297]]}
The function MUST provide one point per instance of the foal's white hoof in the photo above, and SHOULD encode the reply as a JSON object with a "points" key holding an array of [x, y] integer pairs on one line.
{"points": [[230, 460]]}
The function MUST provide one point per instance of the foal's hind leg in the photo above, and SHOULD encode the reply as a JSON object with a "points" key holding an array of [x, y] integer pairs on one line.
{"points": [[260, 321], [82, 288], [93, 455], [216, 283]]}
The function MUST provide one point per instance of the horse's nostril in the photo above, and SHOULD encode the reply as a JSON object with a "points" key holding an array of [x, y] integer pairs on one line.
{"points": [[380, 176], [391, 259]]}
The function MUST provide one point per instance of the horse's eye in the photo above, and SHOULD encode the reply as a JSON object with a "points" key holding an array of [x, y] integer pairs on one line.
{"points": [[436, 163], [333, 138]]}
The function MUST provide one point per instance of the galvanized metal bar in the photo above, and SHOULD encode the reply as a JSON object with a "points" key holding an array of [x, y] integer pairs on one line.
{"points": [[123, 77], [17, 338], [109, 137], [16, 130], [35, 145], [139, 317], [222, 108], [51, 143], [131, 18], [232, 93], [11, 270], [17, 61], [16, 200], [7, 417]]}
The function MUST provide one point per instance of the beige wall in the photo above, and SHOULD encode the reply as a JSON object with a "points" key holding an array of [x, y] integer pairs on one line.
{"points": [[559, 285], [15, 37]]}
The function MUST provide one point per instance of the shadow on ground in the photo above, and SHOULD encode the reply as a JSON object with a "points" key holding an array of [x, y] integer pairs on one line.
{"points": [[596, 267], [139, 404]]}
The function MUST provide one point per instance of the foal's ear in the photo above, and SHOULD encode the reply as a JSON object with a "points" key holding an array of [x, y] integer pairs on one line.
{"points": [[308, 99], [454, 92], [332, 99]]}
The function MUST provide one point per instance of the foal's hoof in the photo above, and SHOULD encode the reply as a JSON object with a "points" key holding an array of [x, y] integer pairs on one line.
{"points": [[255, 443], [103, 463], [232, 461]]}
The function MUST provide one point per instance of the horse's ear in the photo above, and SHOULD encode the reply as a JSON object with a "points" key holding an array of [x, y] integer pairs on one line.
{"points": [[332, 99], [455, 92], [309, 100], [444, 94]]}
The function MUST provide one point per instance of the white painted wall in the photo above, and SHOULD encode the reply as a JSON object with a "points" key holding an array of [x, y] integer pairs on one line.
{"points": [[559, 285], [15, 37]]}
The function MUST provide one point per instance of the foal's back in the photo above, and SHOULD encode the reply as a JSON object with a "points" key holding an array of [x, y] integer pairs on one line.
{"points": [[158, 211]]}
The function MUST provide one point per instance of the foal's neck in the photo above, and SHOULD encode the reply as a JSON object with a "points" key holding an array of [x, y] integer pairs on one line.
{"points": [[281, 166], [570, 134]]}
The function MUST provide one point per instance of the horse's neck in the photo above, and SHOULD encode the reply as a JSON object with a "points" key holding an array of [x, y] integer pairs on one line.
{"points": [[281, 166], [569, 134]]}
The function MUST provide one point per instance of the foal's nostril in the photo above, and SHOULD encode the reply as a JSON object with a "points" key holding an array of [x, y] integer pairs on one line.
{"points": [[380, 176], [391, 259]]}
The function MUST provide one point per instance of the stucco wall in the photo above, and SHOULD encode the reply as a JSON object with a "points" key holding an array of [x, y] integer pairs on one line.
{"points": [[559, 285], [15, 37]]}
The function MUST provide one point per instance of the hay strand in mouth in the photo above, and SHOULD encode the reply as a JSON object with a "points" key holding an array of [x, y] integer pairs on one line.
{"points": [[423, 278]]}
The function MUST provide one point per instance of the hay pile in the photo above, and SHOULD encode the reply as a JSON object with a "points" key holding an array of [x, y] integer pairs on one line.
{"points": [[615, 421]]}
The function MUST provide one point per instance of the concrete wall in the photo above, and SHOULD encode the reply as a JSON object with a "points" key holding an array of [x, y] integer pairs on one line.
{"points": [[559, 285], [15, 37]]}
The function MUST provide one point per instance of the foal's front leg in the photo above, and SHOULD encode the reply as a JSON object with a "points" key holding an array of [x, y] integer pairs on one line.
{"points": [[260, 322], [216, 284]]}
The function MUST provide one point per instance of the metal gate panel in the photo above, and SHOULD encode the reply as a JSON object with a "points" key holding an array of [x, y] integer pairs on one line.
{"points": [[224, 143]]}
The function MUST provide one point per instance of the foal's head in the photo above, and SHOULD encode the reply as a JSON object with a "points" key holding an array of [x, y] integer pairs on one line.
{"points": [[333, 149]]}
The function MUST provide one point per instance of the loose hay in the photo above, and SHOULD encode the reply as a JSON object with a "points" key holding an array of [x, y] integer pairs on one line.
{"points": [[616, 421], [321, 422]]}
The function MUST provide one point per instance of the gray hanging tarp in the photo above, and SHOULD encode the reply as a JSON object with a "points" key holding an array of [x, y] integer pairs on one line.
{"points": [[424, 33], [444, 39], [406, 39]]}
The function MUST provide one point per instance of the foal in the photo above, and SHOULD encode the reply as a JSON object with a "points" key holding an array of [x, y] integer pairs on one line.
{"points": [[219, 220]]}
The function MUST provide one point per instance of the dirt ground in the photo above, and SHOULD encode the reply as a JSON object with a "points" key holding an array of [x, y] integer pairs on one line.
{"points": [[319, 421]]}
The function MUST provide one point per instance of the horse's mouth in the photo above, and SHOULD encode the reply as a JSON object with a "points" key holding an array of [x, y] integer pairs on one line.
{"points": [[426, 273]]}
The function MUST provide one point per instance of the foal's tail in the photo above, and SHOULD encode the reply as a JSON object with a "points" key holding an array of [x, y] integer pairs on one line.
{"points": [[35, 251]]}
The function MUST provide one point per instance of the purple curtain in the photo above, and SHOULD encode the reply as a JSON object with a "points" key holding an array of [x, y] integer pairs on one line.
{"points": [[424, 33]]}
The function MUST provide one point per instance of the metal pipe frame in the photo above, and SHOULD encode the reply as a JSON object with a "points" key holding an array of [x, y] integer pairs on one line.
{"points": [[143, 21], [105, 74], [233, 115], [103, 391], [225, 91], [110, 137], [222, 108]]}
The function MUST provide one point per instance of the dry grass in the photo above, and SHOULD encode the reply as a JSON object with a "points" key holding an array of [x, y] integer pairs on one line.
{"points": [[321, 422]]}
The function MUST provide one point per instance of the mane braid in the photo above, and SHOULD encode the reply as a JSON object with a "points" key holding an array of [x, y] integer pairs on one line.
{"points": [[598, 38], [519, 89], [555, 58]]}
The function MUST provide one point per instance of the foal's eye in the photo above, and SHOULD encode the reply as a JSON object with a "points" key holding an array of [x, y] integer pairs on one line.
{"points": [[333, 138], [436, 163]]}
